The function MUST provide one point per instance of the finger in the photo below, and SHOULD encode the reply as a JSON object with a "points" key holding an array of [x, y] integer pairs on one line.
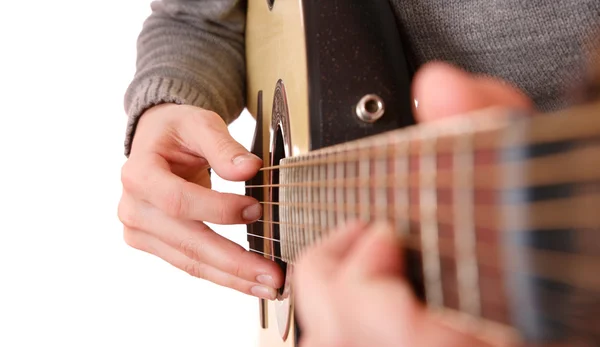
{"points": [[457, 329], [377, 254], [150, 244], [208, 135], [338, 242], [197, 241], [442, 90], [148, 177], [323, 260]]}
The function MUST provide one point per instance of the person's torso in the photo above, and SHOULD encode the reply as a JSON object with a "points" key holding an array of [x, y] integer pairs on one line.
{"points": [[539, 45]]}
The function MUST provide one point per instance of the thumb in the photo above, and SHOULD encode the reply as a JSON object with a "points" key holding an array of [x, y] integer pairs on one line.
{"points": [[208, 135], [377, 254], [442, 90]]}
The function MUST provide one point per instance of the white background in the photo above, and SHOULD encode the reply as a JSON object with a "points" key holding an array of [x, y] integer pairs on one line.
{"points": [[66, 276]]}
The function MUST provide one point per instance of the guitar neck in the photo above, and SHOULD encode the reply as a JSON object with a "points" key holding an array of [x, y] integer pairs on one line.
{"points": [[488, 206]]}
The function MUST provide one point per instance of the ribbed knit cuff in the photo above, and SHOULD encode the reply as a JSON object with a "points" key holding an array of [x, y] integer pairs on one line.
{"points": [[155, 91]]}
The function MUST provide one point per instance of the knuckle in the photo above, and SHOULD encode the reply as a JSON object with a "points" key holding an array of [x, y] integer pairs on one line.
{"points": [[173, 204], [223, 213], [226, 145], [128, 215], [130, 238], [204, 119], [237, 269], [128, 178], [195, 269], [192, 248]]}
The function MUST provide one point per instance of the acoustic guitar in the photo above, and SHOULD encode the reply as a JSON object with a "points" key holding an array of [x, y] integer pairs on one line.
{"points": [[499, 213]]}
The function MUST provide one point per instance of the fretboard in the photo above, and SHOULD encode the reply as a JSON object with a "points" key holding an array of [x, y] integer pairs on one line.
{"points": [[478, 201]]}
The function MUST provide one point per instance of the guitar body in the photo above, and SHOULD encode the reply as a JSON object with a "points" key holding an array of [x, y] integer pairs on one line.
{"points": [[307, 71], [501, 231]]}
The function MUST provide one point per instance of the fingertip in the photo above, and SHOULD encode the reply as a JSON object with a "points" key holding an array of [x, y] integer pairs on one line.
{"points": [[252, 212], [441, 90], [378, 253], [246, 159], [241, 167]]}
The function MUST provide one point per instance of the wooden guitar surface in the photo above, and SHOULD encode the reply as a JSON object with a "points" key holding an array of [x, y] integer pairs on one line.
{"points": [[499, 212]]}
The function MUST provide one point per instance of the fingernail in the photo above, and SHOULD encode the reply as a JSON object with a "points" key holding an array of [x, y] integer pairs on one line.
{"points": [[266, 280], [240, 159], [264, 292], [252, 212]]}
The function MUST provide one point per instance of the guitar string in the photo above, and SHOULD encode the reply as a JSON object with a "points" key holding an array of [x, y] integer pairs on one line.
{"points": [[449, 240], [375, 150], [484, 300], [385, 211], [387, 151], [411, 242], [411, 180]]}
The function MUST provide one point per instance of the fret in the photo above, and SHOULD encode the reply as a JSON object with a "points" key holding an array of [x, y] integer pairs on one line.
{"points": [[315, 216], [381, 170], [429, 223], [306, 213], [297, 229], [364, 200], [467, 270], [310, 176], [401, 193], [330, 193], [299, 211], [323, 198], [284, 216], [300, 236], [290, 198], [340, 175], [351, 191]]}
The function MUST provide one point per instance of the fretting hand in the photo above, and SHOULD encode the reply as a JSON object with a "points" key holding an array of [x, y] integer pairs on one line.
{"points": [[350, 290]]}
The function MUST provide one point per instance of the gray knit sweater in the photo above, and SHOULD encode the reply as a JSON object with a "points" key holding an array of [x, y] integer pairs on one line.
{"points": [[192, 51]]}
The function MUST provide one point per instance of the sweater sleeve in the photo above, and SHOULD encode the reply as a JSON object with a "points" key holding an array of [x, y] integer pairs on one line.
{"points": [[189, 52]]}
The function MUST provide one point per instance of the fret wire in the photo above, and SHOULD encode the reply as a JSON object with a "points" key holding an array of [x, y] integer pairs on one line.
{"points": [[402, 201], [305, 213], [316, 217], [311, 200], [467, 271], [364, 169], [340, 191], [293, 228], [330, 193], [295, 215], [381, 198], [289, 212], [302, 213], [284, 227], [322, 198], [429, 227], [352, 190]]}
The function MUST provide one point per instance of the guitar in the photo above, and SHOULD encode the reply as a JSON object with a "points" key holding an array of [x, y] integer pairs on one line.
{"points": [[498, 212]]}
